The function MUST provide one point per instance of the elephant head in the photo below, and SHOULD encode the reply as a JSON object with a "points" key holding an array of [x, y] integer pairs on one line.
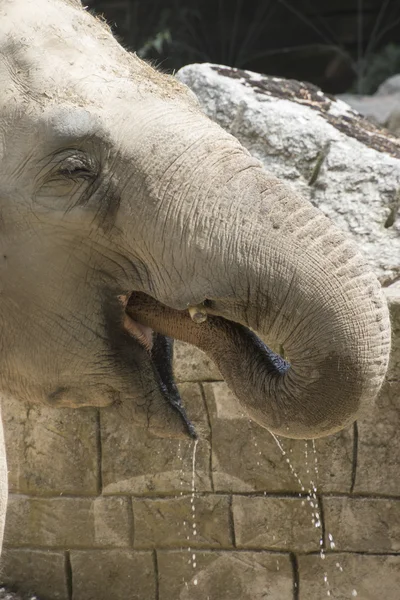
{"points": [[122, 205]]}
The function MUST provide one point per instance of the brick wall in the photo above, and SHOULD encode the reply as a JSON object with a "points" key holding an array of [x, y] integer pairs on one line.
{"points": [[101, 510]]}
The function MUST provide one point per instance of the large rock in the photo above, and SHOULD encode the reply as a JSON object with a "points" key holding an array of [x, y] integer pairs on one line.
{"points": [[339, 161], [383, 107]]}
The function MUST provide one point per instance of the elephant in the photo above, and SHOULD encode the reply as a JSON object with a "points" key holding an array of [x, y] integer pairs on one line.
{"points": [[129, 219]]}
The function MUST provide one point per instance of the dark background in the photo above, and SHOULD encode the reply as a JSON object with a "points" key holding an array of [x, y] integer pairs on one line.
{"points": [[340, 45]]}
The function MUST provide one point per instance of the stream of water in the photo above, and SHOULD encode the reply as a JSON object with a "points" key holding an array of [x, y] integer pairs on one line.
{"points": [[312, 499], [192, 558]]}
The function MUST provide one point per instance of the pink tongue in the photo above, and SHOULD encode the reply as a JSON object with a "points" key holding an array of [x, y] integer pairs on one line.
{"points": [[140, 332], [143, 334]]}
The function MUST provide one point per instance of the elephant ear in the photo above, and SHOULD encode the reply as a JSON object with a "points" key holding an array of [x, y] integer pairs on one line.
{"points": [[162, 353]]}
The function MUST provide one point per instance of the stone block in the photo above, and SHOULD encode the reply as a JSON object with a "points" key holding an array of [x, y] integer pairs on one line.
{"points": [[68, 522], [349, 576], [35, 572], [274, 523], [199, 522], [378, 455], [136, 462], [113, 575], [191, 364], [224, 576], [50, 450], [363, 524], [246, 458]]}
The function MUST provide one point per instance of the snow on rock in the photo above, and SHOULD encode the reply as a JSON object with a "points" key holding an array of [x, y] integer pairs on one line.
{"points": [[342, 163]]}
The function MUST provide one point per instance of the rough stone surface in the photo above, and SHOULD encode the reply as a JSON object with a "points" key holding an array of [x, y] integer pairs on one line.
{"points": [[372, 577], [378, 453], [390, 86], [363, 524], [382, 107], [173, 523], [225, 576], [377, 108], [191, 364], [274, 524], [68, 522], [113, 575], [39, 572], [136, 462], [378, 456], [33, 434], [254, 461], [317, 144]]}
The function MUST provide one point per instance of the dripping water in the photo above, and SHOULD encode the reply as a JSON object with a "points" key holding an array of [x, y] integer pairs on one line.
{"points": [[315, 517], [192, 555], [332, 544], [311, 498]]}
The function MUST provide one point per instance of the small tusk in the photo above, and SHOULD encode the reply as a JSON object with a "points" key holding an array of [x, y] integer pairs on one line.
{"points": [[198, 313]]}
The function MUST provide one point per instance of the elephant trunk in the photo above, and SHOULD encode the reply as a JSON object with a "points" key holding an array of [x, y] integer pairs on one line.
{"points": [[265, 260]]}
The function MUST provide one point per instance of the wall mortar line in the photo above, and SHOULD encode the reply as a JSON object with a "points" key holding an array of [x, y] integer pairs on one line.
{"points": [[131, 522], [99, 454], [232, 522], [156, 575], [68, 575], [296, 576], [355, 457]]}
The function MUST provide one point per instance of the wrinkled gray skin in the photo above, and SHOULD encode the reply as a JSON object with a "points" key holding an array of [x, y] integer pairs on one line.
{"points": [[113, 181]]}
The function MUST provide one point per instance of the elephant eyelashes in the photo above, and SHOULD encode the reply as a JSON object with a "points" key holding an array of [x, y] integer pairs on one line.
{"points": [[77, 168], [68, 179]]}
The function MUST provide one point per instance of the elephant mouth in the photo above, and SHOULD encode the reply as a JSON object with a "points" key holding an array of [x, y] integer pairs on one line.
{"points": [[232, 346], [159, 348]]}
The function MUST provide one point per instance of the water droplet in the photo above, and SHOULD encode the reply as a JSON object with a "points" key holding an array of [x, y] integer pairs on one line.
{"points": [[354, 593], [195, 582]]}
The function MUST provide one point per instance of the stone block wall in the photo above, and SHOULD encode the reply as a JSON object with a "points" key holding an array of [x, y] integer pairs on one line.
{"points": [[100, 509]]}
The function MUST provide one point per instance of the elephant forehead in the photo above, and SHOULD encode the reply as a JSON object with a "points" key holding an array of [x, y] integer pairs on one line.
{"points": [[54, 49]]}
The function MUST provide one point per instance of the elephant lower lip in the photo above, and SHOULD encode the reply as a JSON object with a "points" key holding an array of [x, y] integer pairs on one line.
{"points": [[160, 351]]}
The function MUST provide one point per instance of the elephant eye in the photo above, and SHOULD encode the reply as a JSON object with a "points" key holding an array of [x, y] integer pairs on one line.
{"points": [[76, 167]]}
